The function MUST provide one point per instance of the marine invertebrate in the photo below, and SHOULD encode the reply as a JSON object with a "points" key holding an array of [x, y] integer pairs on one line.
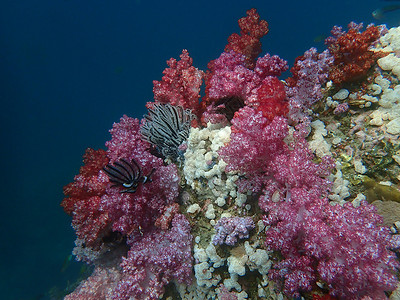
{"points": [[304, 88], [229, 230], [137, 213], [317, 240], [252, 29], [83, 199], [204, 168], [352, 55], [155, 260], [343, 246], [237, 73], [229, 76], [152, 262], [255, 140], [271, 98], [294, 190], [126, 174], [180, 85], [166, 127]]}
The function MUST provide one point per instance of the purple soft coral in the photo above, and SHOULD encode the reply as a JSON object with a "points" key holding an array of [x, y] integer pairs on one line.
{"points": [[228, 230], [310, 72], [343, 246], [152, 262], [155, 260]]}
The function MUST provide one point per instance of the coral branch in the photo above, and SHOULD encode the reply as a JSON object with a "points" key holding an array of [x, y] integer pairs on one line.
{"points": [[180, 84], [83, 197], [352, 56], [252, 29]]}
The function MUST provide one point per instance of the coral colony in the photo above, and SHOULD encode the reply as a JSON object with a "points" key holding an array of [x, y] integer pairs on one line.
{"points": [[262, 189]]}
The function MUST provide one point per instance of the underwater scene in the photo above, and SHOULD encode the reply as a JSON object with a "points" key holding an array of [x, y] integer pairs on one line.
{"points": [[255, 169]]}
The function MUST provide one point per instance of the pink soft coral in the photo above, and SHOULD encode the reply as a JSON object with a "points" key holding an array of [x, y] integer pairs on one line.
{"points": [[343, 246], [228, 76], [254, 142], [154, 260]]}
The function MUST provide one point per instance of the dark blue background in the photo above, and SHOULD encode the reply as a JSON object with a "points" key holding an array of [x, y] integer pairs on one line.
{"points": [[69, 69]]}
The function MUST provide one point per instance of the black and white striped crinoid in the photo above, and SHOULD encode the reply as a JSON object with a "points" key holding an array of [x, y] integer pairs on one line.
{"points": [[167, 127], [127, 175]]}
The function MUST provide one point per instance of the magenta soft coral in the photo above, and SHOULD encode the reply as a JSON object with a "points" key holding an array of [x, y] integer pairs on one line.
{"points": [[254, 142], [229, 76], [343, 247], [259, 88], [237, 73], [135, 212]]}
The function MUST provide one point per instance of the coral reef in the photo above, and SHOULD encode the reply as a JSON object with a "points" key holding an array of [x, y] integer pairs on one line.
{"points": [[282, 189], [228, 76]]}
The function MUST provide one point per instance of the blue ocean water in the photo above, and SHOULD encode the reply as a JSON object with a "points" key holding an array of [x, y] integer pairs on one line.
{"points": [[69, 69]]}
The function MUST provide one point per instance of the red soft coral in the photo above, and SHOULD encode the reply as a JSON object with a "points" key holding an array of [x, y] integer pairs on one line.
{"points": [[352, 57], [83, 199], [272, 98], [180, 84], [86, 184], [252, 29]]}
